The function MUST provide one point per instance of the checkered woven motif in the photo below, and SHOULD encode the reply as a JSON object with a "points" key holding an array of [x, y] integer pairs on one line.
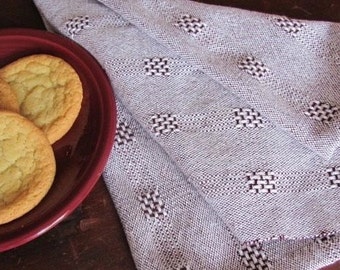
{"points": [[77, 24], [253, 257], [124, 134], [253, 67], [152, 205], [190, 24], [325, 238], [334, 176], [329, 243], [261, 182], [163, 124], [247, 117], [289, 25], [156, 66], [321, 111]]}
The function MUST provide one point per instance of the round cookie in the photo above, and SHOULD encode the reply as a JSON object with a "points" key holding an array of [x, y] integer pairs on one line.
{"points": [[8, 99], [27, 166], [48, 90]]}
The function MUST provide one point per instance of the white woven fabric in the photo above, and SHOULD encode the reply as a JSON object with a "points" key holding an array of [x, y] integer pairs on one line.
{"points": [[226, 154]]}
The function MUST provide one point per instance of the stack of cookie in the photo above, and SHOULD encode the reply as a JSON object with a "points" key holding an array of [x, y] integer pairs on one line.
{"points": [[40, 98]]}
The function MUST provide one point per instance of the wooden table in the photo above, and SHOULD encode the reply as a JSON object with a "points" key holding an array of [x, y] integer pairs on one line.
{"points": [[92, 237]]}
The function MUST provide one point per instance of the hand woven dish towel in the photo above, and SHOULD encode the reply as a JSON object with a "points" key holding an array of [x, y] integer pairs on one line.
{"points": [[226, 153]]}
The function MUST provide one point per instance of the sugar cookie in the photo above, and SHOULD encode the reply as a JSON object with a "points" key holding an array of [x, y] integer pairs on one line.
{"points": [[27, 166], [8, 99], [49, 92]]}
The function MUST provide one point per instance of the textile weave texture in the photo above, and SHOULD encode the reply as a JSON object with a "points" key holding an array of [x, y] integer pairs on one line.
{"points": [[226, 154]]}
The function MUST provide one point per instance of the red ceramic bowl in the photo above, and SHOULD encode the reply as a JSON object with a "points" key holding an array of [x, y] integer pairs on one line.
{"points": [[83, 152]]}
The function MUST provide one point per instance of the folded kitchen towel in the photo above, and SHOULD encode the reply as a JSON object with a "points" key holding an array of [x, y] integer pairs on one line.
{"points": [[227, 151]]}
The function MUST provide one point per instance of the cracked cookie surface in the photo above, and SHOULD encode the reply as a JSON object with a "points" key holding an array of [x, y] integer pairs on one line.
{"points": [[27, 166], [8, 99], [48, 90]]}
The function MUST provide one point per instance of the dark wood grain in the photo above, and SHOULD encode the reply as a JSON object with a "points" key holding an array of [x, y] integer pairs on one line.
{"points": [[92, 237]]}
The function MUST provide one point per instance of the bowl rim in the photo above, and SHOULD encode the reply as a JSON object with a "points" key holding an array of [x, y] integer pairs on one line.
{"points": [[104, 146]]}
